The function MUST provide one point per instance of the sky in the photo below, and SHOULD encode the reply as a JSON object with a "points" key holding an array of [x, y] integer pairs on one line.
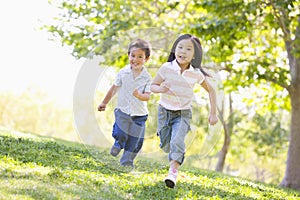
{"points": [[28, 58]]}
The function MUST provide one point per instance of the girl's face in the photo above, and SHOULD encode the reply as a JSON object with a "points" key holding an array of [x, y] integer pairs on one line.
{"points": [[184, 52], [137, 58]]}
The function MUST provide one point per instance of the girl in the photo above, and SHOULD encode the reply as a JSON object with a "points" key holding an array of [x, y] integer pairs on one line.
{"points": [[175, 81]]}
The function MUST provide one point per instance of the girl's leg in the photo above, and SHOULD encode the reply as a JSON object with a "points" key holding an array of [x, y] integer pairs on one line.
{"points": [[180, 127], [173, 173], [174, 164], [164, 129]]}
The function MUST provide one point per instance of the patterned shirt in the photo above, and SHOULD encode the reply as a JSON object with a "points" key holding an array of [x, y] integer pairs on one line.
{"points": [[128, 103], [181, 93]]}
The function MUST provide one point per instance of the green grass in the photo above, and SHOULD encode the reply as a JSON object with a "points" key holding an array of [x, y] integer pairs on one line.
{"points": [[33, 167]]}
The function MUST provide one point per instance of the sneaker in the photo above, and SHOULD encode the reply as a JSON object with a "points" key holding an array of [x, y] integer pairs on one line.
{"points": [[171, 178], [114, 151]]}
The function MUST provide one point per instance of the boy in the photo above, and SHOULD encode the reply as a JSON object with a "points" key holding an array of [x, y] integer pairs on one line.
{"points": [[133, 86]]}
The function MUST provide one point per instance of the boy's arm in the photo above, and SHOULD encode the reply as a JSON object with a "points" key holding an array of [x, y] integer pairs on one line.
{"points": [[213, 102], [112, 91], [141, 96]]}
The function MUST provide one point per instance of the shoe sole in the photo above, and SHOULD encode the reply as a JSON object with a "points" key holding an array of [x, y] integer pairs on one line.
{"points": [[114, 155], [114, 152], [169, 183]]}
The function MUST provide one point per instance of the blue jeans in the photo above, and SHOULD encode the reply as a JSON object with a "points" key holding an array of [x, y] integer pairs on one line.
{"points": [[173, 126], [128, 132]]}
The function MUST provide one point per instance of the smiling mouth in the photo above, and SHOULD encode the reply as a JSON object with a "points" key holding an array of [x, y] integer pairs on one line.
{"points": [[135, 64], [182, 57]]}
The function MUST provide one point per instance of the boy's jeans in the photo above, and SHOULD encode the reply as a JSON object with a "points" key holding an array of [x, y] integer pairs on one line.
{"points": [[128, 132]]}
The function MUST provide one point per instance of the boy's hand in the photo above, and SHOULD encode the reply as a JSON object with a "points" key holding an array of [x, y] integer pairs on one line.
{"points": [[136, 93], [141, 96], [213, 119], [101, 107]]}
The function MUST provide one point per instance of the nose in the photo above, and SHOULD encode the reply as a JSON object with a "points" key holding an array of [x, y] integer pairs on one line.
{"points": [[182, 50]]}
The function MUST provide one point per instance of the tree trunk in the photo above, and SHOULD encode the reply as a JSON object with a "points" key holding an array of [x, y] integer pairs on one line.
{"points": [[227, 132], [292, 175], [222, 154]]}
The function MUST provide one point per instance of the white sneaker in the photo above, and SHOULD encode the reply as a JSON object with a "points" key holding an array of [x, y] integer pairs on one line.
{"points": [[171, 178]]}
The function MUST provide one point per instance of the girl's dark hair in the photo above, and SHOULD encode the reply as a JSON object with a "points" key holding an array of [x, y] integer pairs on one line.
{"points": [[140, 44], [196, 61]]}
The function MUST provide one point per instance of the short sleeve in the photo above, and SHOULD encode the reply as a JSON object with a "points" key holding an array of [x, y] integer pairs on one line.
{"points": [[147, 87], [162, 71], [118, 80]]}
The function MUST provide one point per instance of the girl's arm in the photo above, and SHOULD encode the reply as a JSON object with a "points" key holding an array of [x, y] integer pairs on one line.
{"points": [[213, 119], [157, 86], [112, 91]]}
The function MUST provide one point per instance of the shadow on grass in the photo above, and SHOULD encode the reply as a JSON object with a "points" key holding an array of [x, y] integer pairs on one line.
{"points": [[48, 153], [41, 189]]}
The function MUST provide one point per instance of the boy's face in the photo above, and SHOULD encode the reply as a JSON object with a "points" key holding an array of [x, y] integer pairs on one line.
{"points": [[184, 52], [137, 58]]}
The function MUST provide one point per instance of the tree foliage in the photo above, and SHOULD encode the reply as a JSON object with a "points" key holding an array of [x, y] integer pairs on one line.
{"points": [[256, 42]]}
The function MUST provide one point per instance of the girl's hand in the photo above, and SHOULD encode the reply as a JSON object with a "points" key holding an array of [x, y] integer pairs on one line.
{"points": [[160, 87], [213, 119], [164, 87], [101, 107]]}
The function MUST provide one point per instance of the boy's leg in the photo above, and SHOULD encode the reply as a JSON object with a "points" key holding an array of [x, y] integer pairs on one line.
{"points": [[129, 154], [119, 133], [120, 140], [121, 128], [134, 141]]}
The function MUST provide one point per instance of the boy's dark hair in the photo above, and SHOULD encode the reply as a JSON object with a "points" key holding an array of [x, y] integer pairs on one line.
{"points": [[141, 44], [196, 61]]}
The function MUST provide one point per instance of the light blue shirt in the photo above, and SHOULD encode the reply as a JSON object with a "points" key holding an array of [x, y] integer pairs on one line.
{"points": [[128, 103]]}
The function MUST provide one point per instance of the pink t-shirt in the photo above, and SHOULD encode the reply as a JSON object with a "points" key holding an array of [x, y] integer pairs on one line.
{"points": [[181, 93]]}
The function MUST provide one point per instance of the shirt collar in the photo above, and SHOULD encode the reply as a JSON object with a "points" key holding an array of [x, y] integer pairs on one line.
{"points": [[127, 68], [144, 72], [178, 68]]}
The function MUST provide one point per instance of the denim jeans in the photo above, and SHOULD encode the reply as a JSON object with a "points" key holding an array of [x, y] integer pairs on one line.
{"points": [[128, 132], [173, 126]]}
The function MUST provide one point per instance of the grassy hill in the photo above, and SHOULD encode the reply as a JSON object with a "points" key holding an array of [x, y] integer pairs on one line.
{"points": [[33, 167]]}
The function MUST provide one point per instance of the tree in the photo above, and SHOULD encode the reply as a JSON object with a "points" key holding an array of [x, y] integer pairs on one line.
{"points": [[290, 26], [256, 33], [247, 38]]}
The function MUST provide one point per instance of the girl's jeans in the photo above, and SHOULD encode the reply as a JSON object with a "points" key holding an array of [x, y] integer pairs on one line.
{"points": [[128, 132], [173, 126]]}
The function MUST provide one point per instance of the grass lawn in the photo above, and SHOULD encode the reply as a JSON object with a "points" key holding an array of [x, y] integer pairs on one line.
{"points": [[33, 167]]}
